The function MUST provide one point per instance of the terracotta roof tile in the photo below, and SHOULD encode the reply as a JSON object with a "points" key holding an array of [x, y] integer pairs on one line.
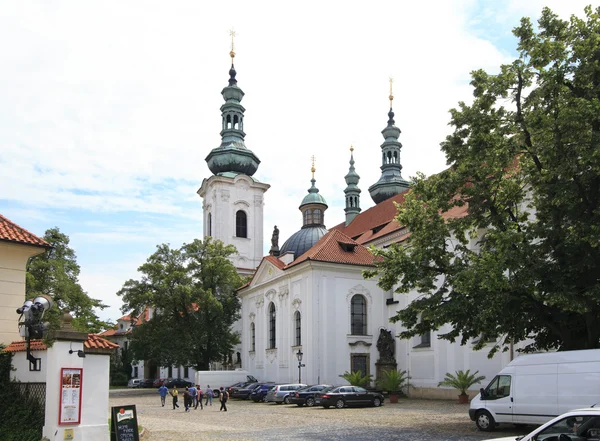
{"points": [[19, 346], [11, 232], [336, 247], [275, 261], [94, 341], [109, 332]]}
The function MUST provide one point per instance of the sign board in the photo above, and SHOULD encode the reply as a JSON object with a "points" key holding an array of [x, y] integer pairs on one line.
{"points": [[124, 425], [70, 396]]}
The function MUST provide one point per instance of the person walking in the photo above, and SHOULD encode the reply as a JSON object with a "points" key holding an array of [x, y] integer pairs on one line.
{"points": [[174, 393], [163, 391], [209, 395], [187, 399], [224, 396], [199, 398], [194, 396]]}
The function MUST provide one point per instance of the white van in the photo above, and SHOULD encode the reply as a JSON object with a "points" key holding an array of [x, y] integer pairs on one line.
{"points": [[216, 379], [533, 389]]}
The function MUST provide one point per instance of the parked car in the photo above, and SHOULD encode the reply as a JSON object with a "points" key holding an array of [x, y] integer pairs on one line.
{"points": [[579, 424], [245, 391], [346, 396], [178, 382], [281, 393], [134, 383], [307, 395], [158, 382], [260, 393], [148, 383], [234, 387]]}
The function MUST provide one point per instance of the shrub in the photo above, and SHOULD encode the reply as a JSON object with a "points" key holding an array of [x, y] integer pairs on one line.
{"points": [[392, 381], [118, 379], [462, 380], [357, 378]]}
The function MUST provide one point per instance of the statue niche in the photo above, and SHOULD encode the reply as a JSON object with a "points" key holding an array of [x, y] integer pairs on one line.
{"points": [[386, 346]]}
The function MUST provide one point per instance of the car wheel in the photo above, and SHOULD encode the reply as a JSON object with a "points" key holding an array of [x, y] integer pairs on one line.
{"points": [[286, 400], [484, 421], [264, 399], [310, 402], [376, 402], [339, 404]]}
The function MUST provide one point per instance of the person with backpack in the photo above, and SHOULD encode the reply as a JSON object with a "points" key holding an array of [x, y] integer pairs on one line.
{"points": [[223, 396]]}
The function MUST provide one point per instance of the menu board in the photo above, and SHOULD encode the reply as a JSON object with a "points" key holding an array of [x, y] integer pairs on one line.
{"points": [[70, 396], [124, 423]]}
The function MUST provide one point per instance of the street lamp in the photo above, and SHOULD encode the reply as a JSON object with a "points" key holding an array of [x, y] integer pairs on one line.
{"points": [[299, 355]]}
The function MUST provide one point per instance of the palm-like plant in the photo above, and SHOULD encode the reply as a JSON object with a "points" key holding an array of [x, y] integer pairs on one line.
{"points": [[357, 378], [392, 381], [462, 381]]}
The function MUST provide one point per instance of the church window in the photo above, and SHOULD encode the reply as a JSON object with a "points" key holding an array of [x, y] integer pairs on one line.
{"points": [[359, 362], [308, 217], [241, 224], [298, 322], [228, 123], [209, 229], [272, 323], [358, 315], [252, 337], [424, 340], [317, 216], [235, 122], [396, 158]]}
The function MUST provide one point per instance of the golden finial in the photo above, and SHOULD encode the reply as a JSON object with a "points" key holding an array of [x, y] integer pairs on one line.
{"points": [[313, 169], [351, 148], [232, 53], [391, 94]]}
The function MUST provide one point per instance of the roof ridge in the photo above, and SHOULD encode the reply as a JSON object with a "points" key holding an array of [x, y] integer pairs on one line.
{"points": [[29, 237]]}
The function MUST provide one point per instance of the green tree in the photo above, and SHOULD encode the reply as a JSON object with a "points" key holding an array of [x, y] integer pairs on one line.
{"points": [[505, 243], [192, 292], [56, 273]]}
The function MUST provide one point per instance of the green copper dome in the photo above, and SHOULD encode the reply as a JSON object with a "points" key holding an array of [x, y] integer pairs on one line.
{"points": [[313, 196]]}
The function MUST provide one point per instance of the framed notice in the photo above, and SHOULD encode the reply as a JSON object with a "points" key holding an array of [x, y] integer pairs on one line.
{"points": [[70, 396], [124, 423]]}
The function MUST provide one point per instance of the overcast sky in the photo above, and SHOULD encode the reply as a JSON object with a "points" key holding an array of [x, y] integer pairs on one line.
{"points": [[108, 109]]}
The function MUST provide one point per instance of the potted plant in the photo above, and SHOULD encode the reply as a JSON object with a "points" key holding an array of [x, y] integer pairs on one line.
{"points": [[391, 382], [357, 378], [462, 381]]}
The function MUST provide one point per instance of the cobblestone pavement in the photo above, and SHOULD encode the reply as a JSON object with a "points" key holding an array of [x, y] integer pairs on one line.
{"points": [[409, 420]]}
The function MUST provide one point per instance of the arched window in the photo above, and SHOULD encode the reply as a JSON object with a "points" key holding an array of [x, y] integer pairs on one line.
{"points": [[272, 323], [308, 217], [228, 124], [252, 337], [235, 122], [358, 315], [241, 224], [317, 216], [209, 224], [298, 322]]}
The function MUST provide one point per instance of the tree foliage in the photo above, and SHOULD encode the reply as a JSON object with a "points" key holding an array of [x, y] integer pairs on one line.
{"points": [[522, 263], [56, 273], [462, 380], [191, 292]]}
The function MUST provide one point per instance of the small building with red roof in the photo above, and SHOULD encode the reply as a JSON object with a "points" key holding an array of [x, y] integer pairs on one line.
{"points": [[17, 245]]}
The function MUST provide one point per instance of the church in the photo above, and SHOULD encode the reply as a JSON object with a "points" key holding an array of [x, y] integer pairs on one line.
{"points": [[308, 315]]}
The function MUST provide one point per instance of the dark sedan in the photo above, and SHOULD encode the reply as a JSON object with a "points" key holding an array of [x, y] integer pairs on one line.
{"points": [[177, 382], [307, 395], [260, 393], [244, 392], [346, 396]]}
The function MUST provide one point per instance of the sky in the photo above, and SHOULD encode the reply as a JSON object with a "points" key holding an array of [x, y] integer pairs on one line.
{"points": [[108, 109]]}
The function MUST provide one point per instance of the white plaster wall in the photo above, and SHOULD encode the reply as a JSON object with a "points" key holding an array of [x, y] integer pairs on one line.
{"points": [[21, 366], [223, 197], [13, 261]]}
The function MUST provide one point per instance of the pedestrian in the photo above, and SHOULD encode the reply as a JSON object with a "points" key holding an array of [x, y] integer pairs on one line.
{"points": [[209, 395], [199, 398], [163, 391], [174, 393], [194, 396], [187, 399], [224, 396]]}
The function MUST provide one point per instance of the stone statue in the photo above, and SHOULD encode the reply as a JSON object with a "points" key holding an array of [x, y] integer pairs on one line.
{"points": [[385, 345], [275, 242]]}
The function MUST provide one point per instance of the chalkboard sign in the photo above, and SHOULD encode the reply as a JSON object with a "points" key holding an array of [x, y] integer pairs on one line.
{"points": [[124, 425]]}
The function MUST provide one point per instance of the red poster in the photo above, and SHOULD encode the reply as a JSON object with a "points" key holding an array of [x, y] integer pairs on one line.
{"points": [[70, 396]]}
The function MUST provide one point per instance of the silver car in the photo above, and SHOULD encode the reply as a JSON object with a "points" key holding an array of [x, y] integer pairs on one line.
{"points": [[281, 393]]}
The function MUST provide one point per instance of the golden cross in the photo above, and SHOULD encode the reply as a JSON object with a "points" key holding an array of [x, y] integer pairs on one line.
{"points": [[312, 169], [391, 94], [232, 53]]}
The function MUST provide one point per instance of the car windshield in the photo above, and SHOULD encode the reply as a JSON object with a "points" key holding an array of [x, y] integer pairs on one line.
{"points": [[572, 426]]}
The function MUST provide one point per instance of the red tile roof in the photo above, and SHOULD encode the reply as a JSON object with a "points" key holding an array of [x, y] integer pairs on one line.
{"points": [[94, 341], [19, 346], [11, 232], [336, 247], [275, 261]]}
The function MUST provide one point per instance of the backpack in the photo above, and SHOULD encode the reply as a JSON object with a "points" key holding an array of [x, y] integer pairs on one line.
{"points": [[225, 396]]}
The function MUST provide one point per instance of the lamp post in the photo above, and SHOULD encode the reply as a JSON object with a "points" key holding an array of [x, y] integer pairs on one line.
{"points": [[299, 355]]}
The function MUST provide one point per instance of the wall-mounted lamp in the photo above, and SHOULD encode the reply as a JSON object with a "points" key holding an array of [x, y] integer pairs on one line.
{"points": [[80, 353]]}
